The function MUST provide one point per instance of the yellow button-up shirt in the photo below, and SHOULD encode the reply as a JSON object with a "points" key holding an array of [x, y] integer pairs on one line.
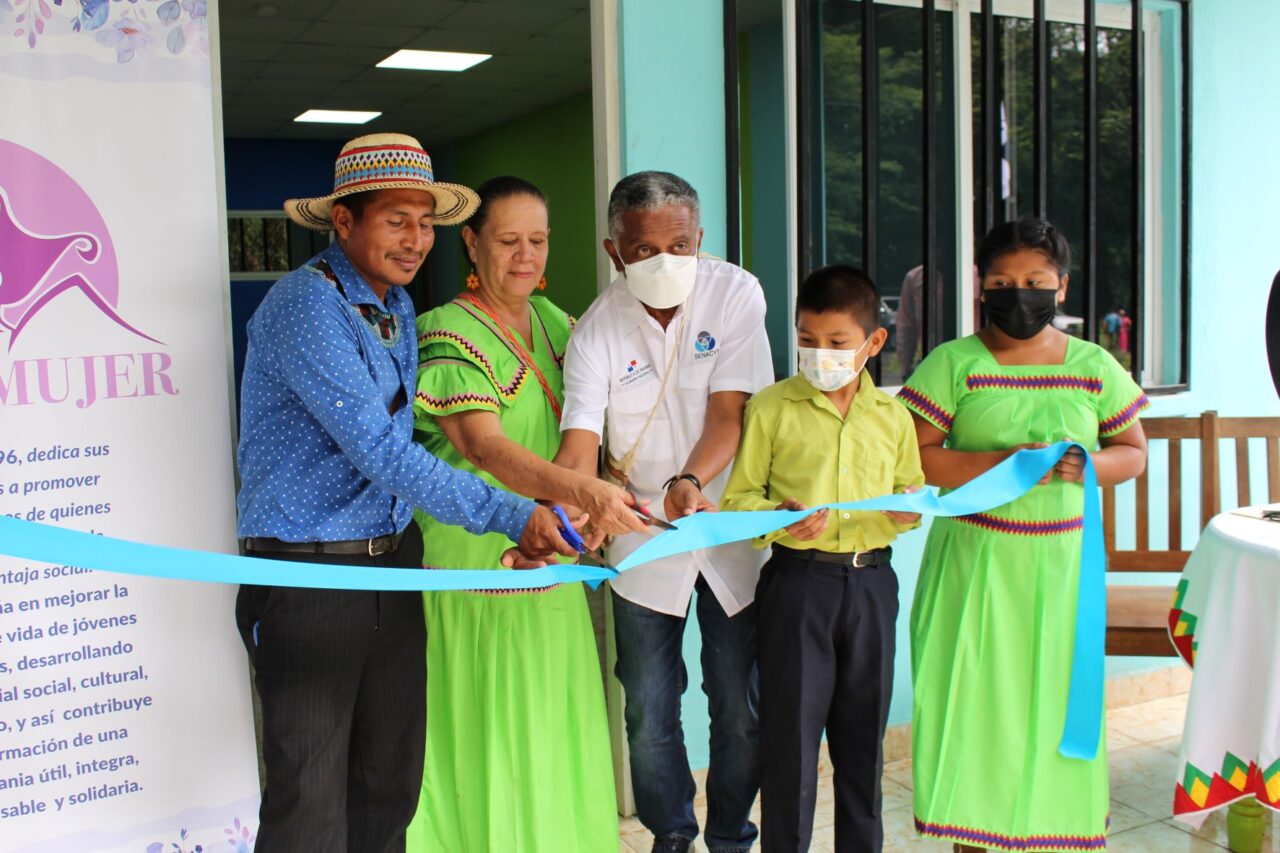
{"points": [[796, 445]]}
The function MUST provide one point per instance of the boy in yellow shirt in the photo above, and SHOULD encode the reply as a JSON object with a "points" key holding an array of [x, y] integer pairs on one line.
{"points": [[827, 599]]}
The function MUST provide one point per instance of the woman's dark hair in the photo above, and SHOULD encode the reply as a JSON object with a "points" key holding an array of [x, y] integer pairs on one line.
{"points": [[496, 189], [1027, 233], [841, 288]]}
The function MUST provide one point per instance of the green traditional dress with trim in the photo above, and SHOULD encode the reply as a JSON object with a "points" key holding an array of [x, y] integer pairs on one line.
{"points": [[518, 757], [993, 621]]}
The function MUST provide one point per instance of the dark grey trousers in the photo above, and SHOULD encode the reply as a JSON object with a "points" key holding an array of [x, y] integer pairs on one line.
{"points": [[342, 676], [826, 646]]}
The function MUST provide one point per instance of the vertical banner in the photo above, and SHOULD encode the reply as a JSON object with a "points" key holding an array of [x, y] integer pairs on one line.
{"points": [[125, 719]]}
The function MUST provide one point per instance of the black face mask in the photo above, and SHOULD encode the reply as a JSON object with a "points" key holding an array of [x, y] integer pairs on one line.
{"points": [[1021, 312]]}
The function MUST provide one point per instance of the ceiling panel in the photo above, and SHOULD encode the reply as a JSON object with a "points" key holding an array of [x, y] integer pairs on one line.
{"points": [[544, 45], [467, 41], [248, 51], [260, 29], [577, 26], [308, 71], [408, 13], [369, 35], [285, 10], [349, 54], [322, 53], [507, 17]]}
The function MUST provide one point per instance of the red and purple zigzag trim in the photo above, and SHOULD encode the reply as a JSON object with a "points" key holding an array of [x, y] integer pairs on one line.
{"points": [[509, 390], [926, 407], [1120, 420], [1022, 528], [978, 381], [456, 400], [1009, 842]]}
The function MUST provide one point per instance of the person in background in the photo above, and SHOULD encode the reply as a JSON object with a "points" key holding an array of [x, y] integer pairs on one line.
{"points": [[1111, 325], [330, 474], [662, 364], [1122, 337], [827, 601], [517, 757], [993, 620]]}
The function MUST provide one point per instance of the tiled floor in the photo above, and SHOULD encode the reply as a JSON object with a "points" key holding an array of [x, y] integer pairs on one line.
{"points": [[1143, 751]]}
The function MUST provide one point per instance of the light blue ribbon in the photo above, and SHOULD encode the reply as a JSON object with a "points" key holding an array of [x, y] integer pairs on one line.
{"points": [[1006, 482]]}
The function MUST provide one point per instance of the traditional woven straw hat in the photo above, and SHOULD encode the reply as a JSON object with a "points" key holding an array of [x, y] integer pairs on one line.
{"points": [[384, 161]]}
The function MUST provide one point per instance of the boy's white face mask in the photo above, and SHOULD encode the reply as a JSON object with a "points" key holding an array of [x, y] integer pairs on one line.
{"points": [[831, 369], [662, 281]]}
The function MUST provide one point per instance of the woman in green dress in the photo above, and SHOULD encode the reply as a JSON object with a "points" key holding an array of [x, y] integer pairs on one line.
{"points": [[518, 757], [993, 621]]}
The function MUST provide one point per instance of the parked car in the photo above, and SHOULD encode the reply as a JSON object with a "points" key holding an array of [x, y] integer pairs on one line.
{"points": [[1070, 324], [889, 318]]}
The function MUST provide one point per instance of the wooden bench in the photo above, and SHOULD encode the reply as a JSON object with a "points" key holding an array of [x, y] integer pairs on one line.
{"points": [[1137, 616]]}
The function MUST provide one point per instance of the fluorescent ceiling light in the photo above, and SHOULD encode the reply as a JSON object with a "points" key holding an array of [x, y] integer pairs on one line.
{"points": [[338, 116], [433, 60]]}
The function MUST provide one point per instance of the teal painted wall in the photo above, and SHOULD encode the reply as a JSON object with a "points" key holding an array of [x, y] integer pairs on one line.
{"points": [[671, 93], [552, 148], [673, 117]]}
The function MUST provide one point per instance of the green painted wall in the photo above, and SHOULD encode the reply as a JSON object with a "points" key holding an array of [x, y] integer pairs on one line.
{"points": [[552, 148]]}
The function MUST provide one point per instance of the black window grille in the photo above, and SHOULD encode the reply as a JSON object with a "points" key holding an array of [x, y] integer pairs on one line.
{"points": [[1060, 118]]}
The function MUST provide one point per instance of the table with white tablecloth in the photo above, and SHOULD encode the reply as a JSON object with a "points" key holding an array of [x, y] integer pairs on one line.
{"points": [[1225, 623]]}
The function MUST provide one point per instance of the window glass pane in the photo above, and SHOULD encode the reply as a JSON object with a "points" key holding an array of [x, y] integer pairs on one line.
{"points": [[908, 307], [1066, 156], [1012, 171], [1115, 288], [277, 245], [254, 245], [235, 245], [839, 171], [900, 201]]}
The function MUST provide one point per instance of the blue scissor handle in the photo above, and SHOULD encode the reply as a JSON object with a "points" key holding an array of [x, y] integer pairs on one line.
{"points": [[566, 530]]}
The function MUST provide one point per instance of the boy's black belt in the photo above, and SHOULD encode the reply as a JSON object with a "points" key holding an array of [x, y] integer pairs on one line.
{"points": [[375, 547], [857, 559]]}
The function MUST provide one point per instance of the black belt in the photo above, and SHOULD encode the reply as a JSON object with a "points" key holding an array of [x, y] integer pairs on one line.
{"points": [[374, 547], [857, 559]]}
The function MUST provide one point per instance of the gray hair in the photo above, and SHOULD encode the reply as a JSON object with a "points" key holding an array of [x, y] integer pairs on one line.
{"points": [[650, 191]]}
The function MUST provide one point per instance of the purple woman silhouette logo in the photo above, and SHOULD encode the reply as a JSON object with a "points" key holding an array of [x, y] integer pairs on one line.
{"points": [[52, 240]]}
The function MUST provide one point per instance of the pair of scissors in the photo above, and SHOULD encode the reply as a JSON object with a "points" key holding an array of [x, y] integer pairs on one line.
{"points": [[589, 557], [648, 517]]}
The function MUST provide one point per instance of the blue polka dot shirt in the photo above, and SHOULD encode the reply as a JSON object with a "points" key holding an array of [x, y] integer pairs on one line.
{"points": [[321, 456]]}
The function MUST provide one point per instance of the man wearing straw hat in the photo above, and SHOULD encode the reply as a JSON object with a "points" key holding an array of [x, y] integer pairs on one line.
{"points": [[330, 474]]}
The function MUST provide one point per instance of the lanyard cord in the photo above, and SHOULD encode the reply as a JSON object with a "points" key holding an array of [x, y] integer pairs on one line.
{"points": [[521, 353], [628, 461]]}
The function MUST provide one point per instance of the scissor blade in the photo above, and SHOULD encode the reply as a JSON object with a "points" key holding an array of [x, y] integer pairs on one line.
{"points": [[596, 558], [652, 520]]}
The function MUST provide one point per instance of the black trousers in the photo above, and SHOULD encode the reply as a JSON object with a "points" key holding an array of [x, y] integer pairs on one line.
{"points": [[826, 646], [342, 676]]}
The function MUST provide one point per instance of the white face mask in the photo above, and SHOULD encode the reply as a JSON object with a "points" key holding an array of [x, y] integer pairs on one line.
{"points": [[662, 281], [831, 369]]}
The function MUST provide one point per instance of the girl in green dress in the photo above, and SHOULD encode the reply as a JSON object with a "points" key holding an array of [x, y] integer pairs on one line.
{"points": [[517, 756], [993, 621]]}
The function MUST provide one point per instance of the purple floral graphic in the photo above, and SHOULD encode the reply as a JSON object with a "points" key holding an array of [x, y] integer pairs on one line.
{"points": [[127, 37], [239, 836], [131, 28]]}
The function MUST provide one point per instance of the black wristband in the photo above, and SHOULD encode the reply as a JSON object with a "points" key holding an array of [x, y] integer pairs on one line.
{"points": [[678, 477]]}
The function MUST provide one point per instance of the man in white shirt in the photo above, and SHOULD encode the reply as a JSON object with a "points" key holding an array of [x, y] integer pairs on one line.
{"points": [[662, 364]]}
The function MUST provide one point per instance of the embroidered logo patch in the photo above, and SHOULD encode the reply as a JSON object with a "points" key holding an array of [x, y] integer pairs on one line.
{"points": [[635, 372]]}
